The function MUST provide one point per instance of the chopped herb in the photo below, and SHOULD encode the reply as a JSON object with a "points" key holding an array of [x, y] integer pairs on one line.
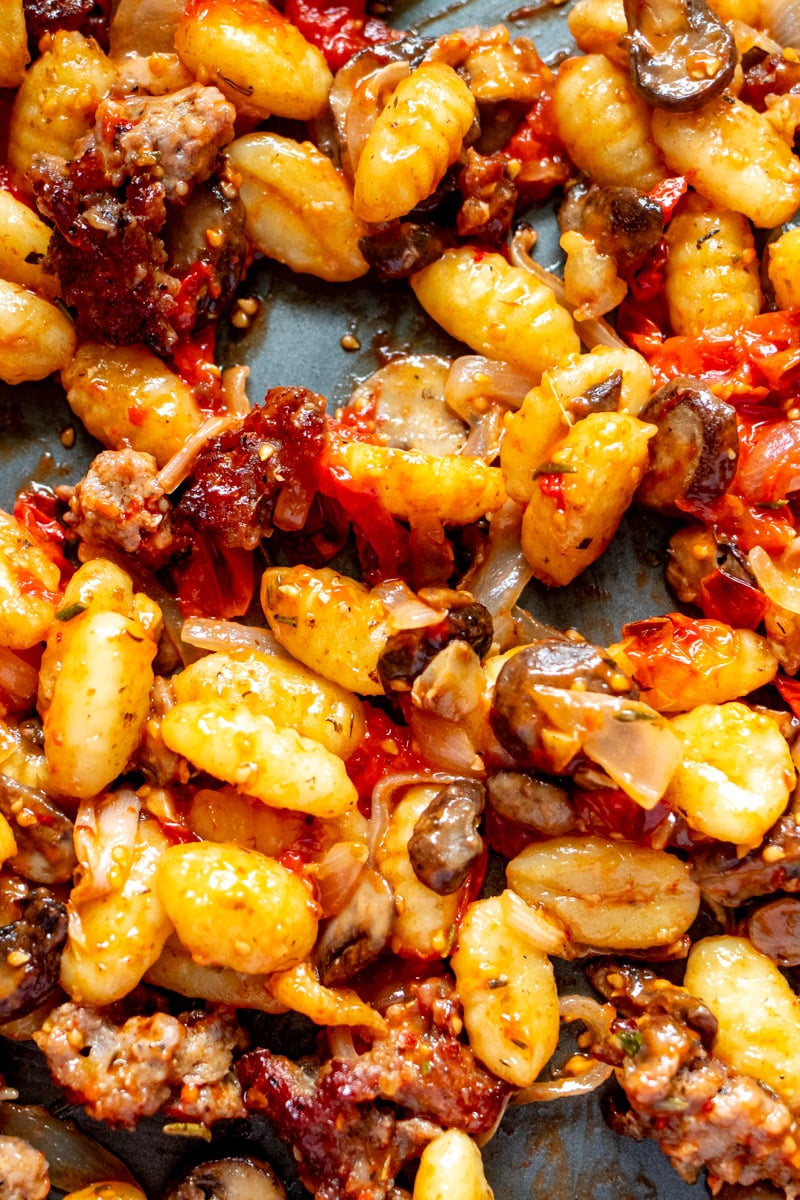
{"points": [[711, 233], [555, 468], [243, 89], [290, 621], [72, 610], [188, 1129], [631, 1041], [518, 1042], [773, 504], [499, 981]]}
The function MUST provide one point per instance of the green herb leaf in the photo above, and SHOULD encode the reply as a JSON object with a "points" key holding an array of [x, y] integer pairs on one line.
{"points": [[72, 610], [631, 1041], [555, 468]]}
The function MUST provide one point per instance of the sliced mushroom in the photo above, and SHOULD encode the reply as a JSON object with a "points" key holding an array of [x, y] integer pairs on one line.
{"points": [[45, 850], [407, 653], [621, 221], [681, 54], [529, 800], [30, 955], [356, 935], [446, 844], [230, 1179], [553, 662], [602, 397], [696, 450], [774, 929]]}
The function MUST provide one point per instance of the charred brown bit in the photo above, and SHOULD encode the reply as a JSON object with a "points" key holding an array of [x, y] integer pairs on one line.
{"points": [[445, 843], [553, 662], [110, 204], [106, 251], [355, 937], [30, 955], [693, 456], [23, 1170], [602, 397], [121, 1073], [399, 248], [682, 55], [701, 1112], [490, 198], [408, 652], [118, 503], [89, 17], [353, 1123], [767, 75], [259, 475]]}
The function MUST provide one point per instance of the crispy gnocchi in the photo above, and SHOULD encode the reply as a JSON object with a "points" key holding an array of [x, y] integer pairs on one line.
{"points": [[314, 805]]}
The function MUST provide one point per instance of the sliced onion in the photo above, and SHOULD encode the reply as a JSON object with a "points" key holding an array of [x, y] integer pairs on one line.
{"points": [[367, 101], [444, 743], [176, 469], [503, 571], [542, 929], [105, 833], [18, 679], [781, 18], [474, 380], [75, 1160], [144, 26], [592, 333], [406, 611], [628, 739], [214, 633], [778, 584], [337, 875], [383, 798], [452, 684], [486, 436], [597, 1018], [233, 389], [340, 1040]]}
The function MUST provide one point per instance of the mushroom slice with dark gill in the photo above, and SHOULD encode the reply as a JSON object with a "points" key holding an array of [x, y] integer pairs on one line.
{"points": [[230, 1179], [445, 843], [694, 455], [30, 955], [681, 54], [356, 935]]}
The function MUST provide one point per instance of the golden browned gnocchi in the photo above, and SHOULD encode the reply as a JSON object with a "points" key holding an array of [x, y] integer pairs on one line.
{"points": [[236, 908], [273, 763], [497, 309], [331, 623], [510, 996], [414, 140], [757, 1011], [126, 396], [299, 207], [256, 58], [722, 792]]}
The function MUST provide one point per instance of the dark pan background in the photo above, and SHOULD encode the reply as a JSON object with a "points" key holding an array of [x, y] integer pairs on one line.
{"points": [[558, 1151]]}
